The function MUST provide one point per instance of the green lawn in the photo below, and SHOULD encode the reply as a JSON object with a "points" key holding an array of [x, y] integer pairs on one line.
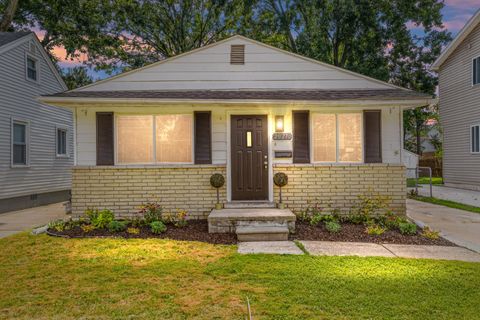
{"points": [[447, 203], [424, 180], [53, 278]]}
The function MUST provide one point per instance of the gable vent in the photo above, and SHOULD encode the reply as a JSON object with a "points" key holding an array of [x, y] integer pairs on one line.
{"points": [[32, 48], [237, 54]]}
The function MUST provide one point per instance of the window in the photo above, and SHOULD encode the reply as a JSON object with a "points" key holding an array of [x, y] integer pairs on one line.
{"points": [[337, 137], [154, 139], [32, 72], [61, 142], [475, 138], [19, 143], [476, 71]]}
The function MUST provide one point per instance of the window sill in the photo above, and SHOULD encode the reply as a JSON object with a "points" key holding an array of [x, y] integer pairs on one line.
{"points": [[62, 156], [19, 166]]}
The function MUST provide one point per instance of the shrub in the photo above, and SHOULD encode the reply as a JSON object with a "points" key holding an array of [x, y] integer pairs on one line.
{"points": [[58, 225], [333, 226], [87, 228], [370, 205], [157, 227], [407, 228], [303, 216], [356, 219], [374, 230], [315, 219], [151, 211], [430, 234], [133, 230], [100, 219], [117, 226], [178, 220]]}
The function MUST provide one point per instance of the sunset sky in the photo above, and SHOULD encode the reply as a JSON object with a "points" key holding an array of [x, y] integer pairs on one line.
{"points": [[456, 14]]}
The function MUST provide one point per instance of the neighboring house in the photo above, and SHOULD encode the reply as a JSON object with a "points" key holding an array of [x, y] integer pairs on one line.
{"points": [[243, 109], [36, 149], [459, 93]]}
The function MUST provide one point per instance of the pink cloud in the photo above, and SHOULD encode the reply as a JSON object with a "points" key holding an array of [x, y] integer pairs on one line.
{"points": [[462, 4], [60, 52]]}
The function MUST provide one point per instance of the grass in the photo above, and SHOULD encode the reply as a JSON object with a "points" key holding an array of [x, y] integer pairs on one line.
{"points": [[424, 180], [447, 203], [53, 278]]}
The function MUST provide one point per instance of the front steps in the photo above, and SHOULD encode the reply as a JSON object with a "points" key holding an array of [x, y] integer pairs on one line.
{"points": [[253, 224]]}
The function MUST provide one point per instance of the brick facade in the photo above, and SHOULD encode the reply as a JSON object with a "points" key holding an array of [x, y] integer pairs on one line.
{"points": [[340, 185], [124, 189]]}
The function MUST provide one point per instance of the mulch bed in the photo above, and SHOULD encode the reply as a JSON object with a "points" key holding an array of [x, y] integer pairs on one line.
{"points": [[356, 233], [196, 230]]}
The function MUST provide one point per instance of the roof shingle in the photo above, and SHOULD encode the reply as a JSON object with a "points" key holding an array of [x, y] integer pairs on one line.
{"points": [[7, 37]]}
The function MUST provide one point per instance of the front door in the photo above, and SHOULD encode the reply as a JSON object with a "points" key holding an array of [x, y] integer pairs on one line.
{"points": [[249, 157]]}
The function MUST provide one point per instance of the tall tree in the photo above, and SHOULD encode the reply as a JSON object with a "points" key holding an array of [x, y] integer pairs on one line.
{"points": [[76, 77], [8, 14]]}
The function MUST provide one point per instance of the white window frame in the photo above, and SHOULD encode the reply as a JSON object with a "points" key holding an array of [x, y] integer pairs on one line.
{"points": [[473, 71], [29, 56], [26, 123], [154, 128], [470, 141], [59, 155], [337, 140]]}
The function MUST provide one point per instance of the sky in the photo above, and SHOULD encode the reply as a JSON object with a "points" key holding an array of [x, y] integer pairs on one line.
{"points": [[456, 13]]}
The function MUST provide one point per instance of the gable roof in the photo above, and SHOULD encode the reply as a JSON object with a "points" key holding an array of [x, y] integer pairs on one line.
{"points": [[462, 34], [332, 77], [7, 37]]}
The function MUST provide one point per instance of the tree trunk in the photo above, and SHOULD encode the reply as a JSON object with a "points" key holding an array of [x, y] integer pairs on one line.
{"points": [[8, 15]]}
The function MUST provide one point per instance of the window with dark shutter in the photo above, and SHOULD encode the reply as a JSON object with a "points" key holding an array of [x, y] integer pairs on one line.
{"points": [[373, 136], [105, 156], [203, 137], [237, 54], [301, 137]]}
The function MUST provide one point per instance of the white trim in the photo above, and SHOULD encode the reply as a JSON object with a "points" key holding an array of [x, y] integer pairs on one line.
{"points": [[471, 138], [462, 34], [154, 153], [67, 149], [337, 135], [30, 56], [26, 123]]}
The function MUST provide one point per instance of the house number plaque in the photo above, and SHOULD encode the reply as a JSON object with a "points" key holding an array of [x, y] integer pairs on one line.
{"points": [[282, 136]]}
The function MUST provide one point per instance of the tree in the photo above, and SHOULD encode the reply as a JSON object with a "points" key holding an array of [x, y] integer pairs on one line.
{"points": [[76, 77], [8, 14]]}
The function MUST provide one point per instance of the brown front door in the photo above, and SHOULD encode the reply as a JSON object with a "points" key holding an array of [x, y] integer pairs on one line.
{"points": [[249, 157]]}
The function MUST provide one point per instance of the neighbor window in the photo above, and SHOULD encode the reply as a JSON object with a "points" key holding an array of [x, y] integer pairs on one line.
{"points": [[19, 143], [32, 72], [61, 142], [154, 139], [475, 138], [337, 137]]}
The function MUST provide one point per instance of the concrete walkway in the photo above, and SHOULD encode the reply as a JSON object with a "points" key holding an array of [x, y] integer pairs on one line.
{"points": [[330, 248], [459, 226], [18, 221], [453, 194]]}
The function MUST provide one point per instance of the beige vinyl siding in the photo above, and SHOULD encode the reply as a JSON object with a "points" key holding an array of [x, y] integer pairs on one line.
{"points": [[264, 68], [46, 172], [459, 109]]}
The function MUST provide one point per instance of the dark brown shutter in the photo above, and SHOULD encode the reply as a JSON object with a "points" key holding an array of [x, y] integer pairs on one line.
{"points": [[105, 139], [203, 137], [373, 136], [301, 137]]}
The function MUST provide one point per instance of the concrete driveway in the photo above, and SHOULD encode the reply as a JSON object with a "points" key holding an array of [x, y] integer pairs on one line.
{"points": [[18, 221], [459, 226], [470, 197]]}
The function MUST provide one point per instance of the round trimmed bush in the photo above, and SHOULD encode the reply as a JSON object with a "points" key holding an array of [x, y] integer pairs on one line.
{"points": [[280, 179], [217, 180]]}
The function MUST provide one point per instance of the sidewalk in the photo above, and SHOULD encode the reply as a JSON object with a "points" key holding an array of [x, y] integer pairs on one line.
{"points": [[18, 221], [330, 248], [458, 226], [469, 197]]}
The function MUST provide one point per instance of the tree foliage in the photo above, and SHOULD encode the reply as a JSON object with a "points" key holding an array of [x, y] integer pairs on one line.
{"points": [[76, 77]]}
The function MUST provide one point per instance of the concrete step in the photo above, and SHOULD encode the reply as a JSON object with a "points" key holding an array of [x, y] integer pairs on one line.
{"points": [[267, 233], [249, 204]]}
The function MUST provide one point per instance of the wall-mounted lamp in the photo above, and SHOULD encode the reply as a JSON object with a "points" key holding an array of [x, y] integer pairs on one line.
{"points": [[279, 124]]}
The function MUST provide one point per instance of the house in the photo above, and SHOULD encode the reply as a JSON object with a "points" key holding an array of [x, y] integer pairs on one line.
{"points": [[36, 149], [458, 68], [243, 109]]}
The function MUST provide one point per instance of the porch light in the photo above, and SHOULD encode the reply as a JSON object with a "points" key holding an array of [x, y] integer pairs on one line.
{"points": [[278, 123]]}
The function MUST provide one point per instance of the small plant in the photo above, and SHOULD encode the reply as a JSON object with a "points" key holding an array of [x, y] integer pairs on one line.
{"points": [[370, 205], [430, 234], [407, 228], [58, 225], [151, 211], [374, 230], [100, 219], [333, 226], [181, 219], [280, 179], [117, 226], [315, 218], [132, 230], [87, 228], [157, 227], [303, 216], [217, 181]]}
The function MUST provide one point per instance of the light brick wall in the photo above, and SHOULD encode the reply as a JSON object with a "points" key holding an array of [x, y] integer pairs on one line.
{"points": [[340, 185], [124, 189]]}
